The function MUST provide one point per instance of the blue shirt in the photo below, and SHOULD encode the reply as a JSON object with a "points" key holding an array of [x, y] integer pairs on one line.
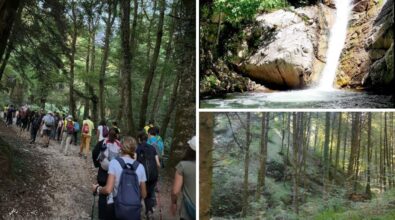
{"points": [[158, 141]]}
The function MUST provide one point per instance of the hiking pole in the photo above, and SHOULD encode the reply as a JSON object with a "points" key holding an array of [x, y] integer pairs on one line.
{"points": [[93, 205]]}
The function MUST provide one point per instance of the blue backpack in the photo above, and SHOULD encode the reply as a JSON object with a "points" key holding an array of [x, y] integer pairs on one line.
{"points": [[127, 203], [76, 126]]}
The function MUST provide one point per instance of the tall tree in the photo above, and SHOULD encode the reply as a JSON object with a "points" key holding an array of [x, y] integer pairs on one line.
{"points": [[246, 166], [369, 152], [152, 66], [263, 154], [326, 152], [339, 131], [206, 163], [109, 21], [185, 121], [127, 107], [354, 148]]}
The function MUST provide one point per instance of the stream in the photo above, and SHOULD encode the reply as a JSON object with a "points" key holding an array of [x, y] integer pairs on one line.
{"points": [[306, 99]]}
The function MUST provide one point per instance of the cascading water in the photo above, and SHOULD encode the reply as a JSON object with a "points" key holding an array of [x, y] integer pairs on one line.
{"points": [[337, 39]]}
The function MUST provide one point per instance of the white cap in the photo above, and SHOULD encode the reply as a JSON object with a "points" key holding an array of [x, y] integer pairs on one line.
{"points": [[192, 143], [69, 117]]}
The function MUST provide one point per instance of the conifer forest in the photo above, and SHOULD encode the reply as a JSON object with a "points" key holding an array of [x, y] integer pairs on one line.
{"points": [[297, 165]]}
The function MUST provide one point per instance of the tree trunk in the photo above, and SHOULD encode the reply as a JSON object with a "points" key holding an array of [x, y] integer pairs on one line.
{"points": [[72, 60], [109, 23], [206, 163], [185, 121], [126, 67], [345, 144], [152, 66], [172, 105], [161, 85], [354, 147], [246, 167], [339, 131], [368, 192], [326, 152], [263, 155], [8, 14]]}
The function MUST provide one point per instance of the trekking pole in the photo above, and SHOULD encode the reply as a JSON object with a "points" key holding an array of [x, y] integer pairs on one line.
{"points": [[93, 205]]}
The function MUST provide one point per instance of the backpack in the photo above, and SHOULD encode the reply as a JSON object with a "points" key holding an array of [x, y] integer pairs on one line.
{"points": [[76, 127], [147, 157], [49, 122], [127, 203], [70, 127], [108, 151], [85, 128], [104, 131]]}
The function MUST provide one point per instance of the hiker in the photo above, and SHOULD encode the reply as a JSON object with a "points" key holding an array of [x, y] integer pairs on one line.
{"points": [[156, 141], [76, 130], [47, 125], [67, 134], [185, 182], [104, 151], [35, 126], [10, 113], [121, 172], [56, 120], [149, 125], [147, 156], [115, 125], [87, 127], [5, 109], [102, 131], [59, 128]]}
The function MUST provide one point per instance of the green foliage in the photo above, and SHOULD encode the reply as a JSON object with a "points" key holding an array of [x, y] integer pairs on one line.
{"points": [[238, 10]]}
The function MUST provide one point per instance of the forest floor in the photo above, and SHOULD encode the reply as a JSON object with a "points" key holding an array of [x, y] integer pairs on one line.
{"points": [[45, 183]]}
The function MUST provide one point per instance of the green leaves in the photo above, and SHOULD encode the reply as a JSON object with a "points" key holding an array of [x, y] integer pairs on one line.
{"points": [[237, 10]]}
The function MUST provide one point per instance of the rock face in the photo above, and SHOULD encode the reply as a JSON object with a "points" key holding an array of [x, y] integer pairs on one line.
{"points": [[286, 58], [380, 46]]}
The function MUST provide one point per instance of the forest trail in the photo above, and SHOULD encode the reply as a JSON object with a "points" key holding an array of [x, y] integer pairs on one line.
{"points": [[54, 185]]}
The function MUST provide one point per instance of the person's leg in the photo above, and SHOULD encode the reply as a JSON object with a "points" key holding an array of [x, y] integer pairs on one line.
{"points": [[149, 200], [63, 142], [68, 139], [87, 145], [102, 206], [110, 212], [82, 144]]}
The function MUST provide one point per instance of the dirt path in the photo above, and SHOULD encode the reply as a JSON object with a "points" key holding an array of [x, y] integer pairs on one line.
{"points": [[58, 185]]}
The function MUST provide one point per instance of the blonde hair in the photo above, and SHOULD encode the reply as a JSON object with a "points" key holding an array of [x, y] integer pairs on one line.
{"points": [[129, 146]]}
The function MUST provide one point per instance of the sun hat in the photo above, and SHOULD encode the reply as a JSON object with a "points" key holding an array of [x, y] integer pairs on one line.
{"points": [[192, 143]]}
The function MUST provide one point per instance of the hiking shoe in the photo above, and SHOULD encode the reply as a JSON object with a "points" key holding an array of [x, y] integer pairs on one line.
{"points": [[85, 157]]}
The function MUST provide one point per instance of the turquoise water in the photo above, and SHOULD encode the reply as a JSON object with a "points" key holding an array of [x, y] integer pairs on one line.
{"points": [[310, 98]]}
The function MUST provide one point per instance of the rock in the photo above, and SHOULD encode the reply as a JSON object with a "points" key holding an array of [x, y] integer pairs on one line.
{"points": [[361, 5], [287, 61], [380, 46], [329, 3], [376, 54]]}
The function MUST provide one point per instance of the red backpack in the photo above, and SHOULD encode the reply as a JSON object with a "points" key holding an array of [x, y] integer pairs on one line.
{"points": [[85, 128], [70, 127]]}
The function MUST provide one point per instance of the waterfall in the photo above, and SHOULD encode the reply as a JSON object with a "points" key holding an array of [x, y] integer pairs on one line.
{"points": [[337, 39]]}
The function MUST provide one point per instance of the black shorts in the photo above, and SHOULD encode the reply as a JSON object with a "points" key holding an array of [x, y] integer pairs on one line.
{"points": [[47, 132]]}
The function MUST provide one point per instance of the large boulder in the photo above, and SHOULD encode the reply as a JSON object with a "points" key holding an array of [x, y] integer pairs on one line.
{"points": [[285, 59], [380, 46]]}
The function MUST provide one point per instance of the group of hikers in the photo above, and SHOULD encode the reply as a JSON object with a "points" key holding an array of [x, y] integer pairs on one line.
{"points": [[128, 167]]}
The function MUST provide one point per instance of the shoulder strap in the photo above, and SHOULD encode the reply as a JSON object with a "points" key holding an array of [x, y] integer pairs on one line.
{"points": [[135, 165], [121, 162]]}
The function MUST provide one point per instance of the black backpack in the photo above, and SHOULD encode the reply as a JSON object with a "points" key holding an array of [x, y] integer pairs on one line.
{"points": [[147, 157]]}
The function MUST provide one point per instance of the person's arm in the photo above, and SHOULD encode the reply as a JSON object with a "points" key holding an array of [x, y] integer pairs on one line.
{"points": [[177, 185], [108, 188], [157, 161], [143, 190]]}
